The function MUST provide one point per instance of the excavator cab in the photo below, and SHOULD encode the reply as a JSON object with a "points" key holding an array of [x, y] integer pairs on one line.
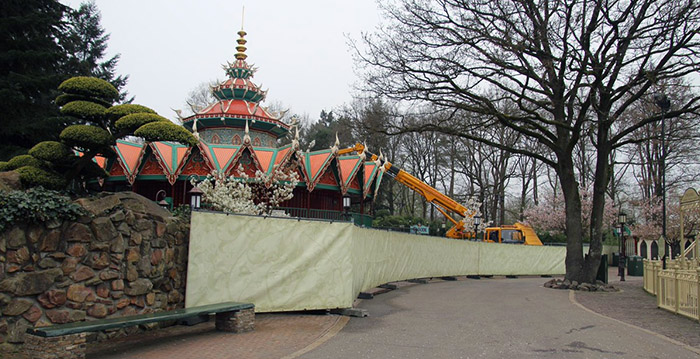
{"points": [[504, 234], [513, 234]]}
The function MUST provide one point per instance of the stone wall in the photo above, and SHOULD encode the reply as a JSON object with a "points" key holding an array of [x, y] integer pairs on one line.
{"points": [[129, 256]]}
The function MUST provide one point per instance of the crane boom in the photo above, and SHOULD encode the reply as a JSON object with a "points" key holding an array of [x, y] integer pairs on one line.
{"points": [[446, 205]]}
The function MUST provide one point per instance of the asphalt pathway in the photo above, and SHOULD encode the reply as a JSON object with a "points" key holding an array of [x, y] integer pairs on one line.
{"points": [[489, 318]]}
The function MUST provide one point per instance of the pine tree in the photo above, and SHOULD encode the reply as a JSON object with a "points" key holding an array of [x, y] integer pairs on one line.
{"points": [[30, 72], [86, 43]]}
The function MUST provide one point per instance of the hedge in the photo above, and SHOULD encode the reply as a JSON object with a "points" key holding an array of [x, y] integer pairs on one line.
{"points": [[50, 151], [91, 87], [130, 123], [86, 136], [166, 131]]}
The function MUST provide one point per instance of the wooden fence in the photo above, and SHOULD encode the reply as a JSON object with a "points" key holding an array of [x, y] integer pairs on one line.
{"points": [[677, 288]]}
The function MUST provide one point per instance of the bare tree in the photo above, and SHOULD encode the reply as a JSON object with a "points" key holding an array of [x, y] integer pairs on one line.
{"points": [[571, 68], [200, 97]]}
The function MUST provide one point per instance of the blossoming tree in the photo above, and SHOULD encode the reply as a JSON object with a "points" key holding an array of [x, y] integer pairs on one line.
{"points": [[240, 193]]}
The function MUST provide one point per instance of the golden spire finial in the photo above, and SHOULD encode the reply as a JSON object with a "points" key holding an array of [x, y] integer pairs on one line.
{"points": [[240, 55]]}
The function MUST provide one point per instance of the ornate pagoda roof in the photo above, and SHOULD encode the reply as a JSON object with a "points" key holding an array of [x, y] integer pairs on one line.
{"points": [[238, 101]]}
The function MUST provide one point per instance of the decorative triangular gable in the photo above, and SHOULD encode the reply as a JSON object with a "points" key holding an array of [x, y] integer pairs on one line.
{"points": [[171, 157], [220, 157], [348, 167], [264, 158], [283, 155], [129, 157], [244, 160], [370, 172], [315, 163], [196, 164], [101, 161], [328, 178]]}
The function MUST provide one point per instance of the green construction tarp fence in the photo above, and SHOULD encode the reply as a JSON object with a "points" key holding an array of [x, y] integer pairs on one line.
{"points": [[283, 264]]}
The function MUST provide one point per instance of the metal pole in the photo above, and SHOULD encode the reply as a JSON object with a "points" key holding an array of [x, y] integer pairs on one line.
{"points": [[623, 253], [663, 181], [664, 104]]}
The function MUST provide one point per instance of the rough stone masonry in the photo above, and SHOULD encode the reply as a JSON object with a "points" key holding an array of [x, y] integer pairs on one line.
{"points": [[129, 256]]}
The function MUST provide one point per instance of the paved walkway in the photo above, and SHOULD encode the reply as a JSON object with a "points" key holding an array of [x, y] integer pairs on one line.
{"points": [[487, 318], [490, 318]]}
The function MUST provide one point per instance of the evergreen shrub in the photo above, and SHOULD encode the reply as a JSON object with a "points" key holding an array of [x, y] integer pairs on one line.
{"points": [[85, 136], [90, 87], [130, 123], [166, 131], [23, 160], [50, 151], [84, 110], [116, 112], [32, 177]]}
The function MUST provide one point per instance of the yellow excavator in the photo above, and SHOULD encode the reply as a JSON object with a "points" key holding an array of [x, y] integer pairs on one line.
{"points": [[518, 233]]}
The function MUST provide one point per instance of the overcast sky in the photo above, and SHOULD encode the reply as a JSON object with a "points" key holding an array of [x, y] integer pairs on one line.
{"points": [[299, 47]]}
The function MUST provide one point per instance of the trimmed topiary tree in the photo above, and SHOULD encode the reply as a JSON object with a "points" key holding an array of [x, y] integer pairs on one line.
{"points": [[89, 100], [166, 131], [33, 176], [50, 151], [132, 122]]}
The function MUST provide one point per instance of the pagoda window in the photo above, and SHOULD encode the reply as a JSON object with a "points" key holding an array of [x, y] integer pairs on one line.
{"points": [[236, 140], [215, 139], [256, 142]]}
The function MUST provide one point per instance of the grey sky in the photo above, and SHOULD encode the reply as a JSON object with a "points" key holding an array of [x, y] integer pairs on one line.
{"points": [[299, 47]]}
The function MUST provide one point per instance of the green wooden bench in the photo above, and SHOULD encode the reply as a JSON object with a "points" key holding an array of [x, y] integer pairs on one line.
{"points": [[68, 340]]}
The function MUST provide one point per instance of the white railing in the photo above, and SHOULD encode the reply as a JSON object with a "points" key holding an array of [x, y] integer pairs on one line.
{"points": [[677, 288]]}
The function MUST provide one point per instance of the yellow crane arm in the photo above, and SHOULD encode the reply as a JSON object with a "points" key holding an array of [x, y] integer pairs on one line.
{"points": [[443, 203]]}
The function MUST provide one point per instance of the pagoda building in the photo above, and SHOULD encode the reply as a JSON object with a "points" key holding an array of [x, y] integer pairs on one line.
{"points": [[237, 132]]}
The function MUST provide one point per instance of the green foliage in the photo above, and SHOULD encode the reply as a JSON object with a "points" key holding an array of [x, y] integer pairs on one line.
{"points": [[116, 112], [130, 123], [183, 211], [65, 98], [36, 205], [50, 151], [397, 221], [93, 170], [31, 57], [90, 87], [23, 160], [33, 177], [86, 137], [166, 131], [86, 110], [551, 237], [86, 44], [3, 166]]}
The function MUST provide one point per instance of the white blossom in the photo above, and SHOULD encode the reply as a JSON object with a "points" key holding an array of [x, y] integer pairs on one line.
{"points": [[242, 194]]}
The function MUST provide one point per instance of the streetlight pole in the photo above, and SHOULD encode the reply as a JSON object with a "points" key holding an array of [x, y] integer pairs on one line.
{"points": [[622, 219], [664, 104]]}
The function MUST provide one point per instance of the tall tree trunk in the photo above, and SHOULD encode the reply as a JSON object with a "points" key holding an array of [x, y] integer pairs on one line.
{"points": [[574, 228]]}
